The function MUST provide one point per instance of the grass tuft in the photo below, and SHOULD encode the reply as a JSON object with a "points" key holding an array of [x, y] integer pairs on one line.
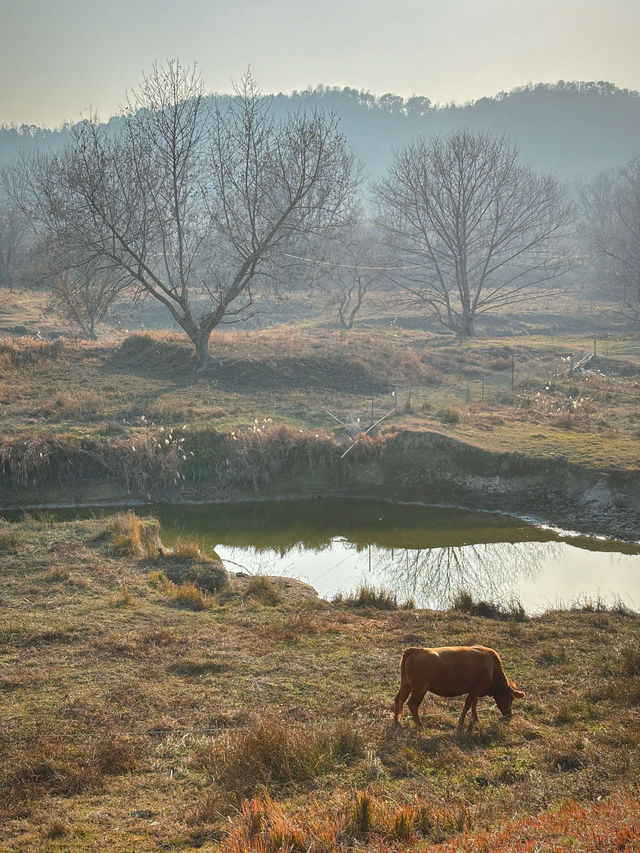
{"points": [[267, 752], [463, 602], [377, 598], [188, 595], [263, 590], [630, 662]]}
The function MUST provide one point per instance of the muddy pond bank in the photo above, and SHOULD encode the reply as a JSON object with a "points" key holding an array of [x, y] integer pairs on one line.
{"points": [[404, 466]]}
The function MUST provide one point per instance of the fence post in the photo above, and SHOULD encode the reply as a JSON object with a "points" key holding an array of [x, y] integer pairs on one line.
{"points": [[513, 370], [482, 397], [468, 395], [595, 345]]}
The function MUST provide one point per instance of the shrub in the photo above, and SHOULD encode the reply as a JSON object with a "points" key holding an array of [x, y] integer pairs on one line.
{"points": [[348, 742], [361, 818], [9, 541], [463, 602], [56, 828], [56, 573], [124, 598], [198, 668], [115, 754], [190, 596], [365, 596], [552, 654], [630, 661], [450, 415], [263, 590], [187, 548], [133, 537], [158, 580], [267, 752]]}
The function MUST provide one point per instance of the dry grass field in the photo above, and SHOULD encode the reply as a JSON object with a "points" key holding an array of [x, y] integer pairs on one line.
{"points": [[73, 388], [140, 713], [145, 707]]}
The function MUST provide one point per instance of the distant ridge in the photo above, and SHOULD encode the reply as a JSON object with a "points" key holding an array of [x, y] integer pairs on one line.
{"points": [[575, 129]]}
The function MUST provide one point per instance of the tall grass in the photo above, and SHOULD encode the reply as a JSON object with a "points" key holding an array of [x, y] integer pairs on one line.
{"points": [[378, 598], [364, 821], [267, 752]]}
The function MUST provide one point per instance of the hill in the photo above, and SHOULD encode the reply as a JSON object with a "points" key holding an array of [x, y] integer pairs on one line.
{"points": [[571, 128]]}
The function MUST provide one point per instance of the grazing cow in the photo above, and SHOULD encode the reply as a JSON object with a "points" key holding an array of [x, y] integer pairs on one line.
{"points": [[452, 671]]}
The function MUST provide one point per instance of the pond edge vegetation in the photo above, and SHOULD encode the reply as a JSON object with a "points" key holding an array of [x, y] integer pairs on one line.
{"points": [[277, 461]]}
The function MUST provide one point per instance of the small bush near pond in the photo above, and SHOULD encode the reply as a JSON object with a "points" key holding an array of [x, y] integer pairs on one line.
{"points": [[263, 590], [133, 536], [365, 596], [464, 603]]}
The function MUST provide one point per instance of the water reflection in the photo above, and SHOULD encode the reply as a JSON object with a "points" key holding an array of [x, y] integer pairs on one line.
{"points": [[421, 552], [432, 577]]}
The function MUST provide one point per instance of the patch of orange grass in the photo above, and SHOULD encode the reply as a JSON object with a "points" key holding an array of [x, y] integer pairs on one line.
{"points": [[610, 825], [264, 827]]}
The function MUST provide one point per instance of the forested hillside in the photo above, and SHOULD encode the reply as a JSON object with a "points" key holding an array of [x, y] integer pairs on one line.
{"points": [[573, 129]]}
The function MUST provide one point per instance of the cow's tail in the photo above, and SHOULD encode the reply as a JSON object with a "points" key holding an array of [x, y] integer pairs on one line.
{"points": [[406, 653], [405, 688]]}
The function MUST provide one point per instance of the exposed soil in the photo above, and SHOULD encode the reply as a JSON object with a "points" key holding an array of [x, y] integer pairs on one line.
{"points": [[424, 467]]}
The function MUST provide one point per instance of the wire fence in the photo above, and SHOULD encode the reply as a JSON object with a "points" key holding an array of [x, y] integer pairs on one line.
{"points": [[517, 377]]}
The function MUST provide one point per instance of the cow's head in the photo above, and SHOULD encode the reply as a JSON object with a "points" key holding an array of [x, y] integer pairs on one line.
{"points": [[504, 698]]}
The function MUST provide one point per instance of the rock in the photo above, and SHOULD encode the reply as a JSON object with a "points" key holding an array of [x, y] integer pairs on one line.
{"points": [[599, 494]]}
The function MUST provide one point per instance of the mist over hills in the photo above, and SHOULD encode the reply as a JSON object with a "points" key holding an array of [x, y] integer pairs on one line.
{"points": [[574, 129]]}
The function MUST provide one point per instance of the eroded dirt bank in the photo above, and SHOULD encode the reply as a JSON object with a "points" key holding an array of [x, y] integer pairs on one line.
{"points": [[406, 466]]}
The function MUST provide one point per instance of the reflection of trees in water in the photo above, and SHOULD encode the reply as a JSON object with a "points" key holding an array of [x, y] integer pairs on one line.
{"points": [[433, 576]]}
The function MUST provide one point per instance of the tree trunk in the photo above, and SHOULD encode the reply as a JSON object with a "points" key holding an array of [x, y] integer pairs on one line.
{"points": [[461, 325], [201, 344], [465, 329]]}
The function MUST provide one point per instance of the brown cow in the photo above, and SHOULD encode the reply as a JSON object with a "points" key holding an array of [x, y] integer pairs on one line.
{"points": [[452, 671]]}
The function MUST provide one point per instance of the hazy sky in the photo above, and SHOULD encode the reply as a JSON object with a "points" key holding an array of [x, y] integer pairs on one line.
{"points": [[62, 58]]}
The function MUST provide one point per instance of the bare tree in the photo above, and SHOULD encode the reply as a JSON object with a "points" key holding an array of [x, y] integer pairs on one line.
{"points": [[14, 246], [611, 208], [80, 291], [356, 263], [195, 203], [474, 229]]}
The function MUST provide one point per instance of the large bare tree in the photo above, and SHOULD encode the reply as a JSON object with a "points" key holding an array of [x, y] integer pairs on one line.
{"points": [[473, 229], [195, 202], [611, 208]]}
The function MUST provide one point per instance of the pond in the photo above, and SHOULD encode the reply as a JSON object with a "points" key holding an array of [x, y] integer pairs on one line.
{"points": [[424, 553]]}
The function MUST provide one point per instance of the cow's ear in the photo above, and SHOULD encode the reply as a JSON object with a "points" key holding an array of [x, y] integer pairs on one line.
{"points": [[517, 694]]}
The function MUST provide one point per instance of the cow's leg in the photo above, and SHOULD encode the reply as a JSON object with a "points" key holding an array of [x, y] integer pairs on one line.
{"points": [[398, 702], [414, 704], [474, 713], [467, 704]]}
